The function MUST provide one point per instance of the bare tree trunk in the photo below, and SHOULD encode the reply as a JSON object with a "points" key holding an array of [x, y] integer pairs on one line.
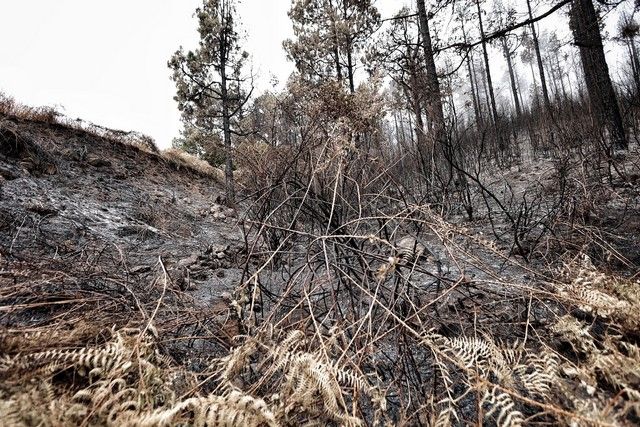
{"points": [[536, 46], [336, 44], [602, 97], [226, 118], [635, 64], [475, 79], [474, 96], [397, 129], [434, 109], [554, 81], [404, 136], [420, 140], [512, 78], [485, 88], [492, 98], [474, 93], [522, 104], [453, 111], [535, 86], [561, 77], [412, 93], [228, 173], [350, 66]]}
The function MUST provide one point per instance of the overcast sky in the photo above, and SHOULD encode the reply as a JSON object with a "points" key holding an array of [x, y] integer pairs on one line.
{"points": [[106, 61]]}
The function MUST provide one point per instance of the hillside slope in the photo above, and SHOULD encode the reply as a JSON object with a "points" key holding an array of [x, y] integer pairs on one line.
{"points": [[83, 216]]}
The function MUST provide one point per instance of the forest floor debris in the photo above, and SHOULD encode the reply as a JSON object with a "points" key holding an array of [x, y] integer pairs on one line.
{"points": [[125, 301]]}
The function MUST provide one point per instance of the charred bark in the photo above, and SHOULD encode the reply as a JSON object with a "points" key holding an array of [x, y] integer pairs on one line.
{"points": [[602, 96], [434, 99]]}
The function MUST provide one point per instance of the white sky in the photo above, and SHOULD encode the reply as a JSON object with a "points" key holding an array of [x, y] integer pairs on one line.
{"points": [[106, 61]]}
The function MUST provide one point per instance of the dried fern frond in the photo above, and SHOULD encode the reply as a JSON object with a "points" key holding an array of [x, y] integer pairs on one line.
{"points": [[305, 386], [114, 355], [512, 367], [502, 406], [234, 409], [602, 294], [592, 300], [607, 360]]}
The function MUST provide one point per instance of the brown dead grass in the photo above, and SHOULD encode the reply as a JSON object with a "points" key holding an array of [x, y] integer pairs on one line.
{"points": [[181, 159], [12, 108]]}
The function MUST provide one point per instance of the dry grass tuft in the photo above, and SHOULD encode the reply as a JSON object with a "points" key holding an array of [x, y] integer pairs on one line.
{"points": [[181, 159], [12, 108]]}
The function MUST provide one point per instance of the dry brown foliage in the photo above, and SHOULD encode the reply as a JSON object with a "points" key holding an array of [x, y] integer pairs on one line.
{"points": [[10, 107], [182, 159]]}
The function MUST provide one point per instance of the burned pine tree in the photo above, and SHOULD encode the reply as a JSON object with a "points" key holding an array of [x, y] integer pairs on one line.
{"points": [[584, 23]]}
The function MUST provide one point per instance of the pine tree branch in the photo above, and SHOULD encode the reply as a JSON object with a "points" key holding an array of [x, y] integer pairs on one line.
{"points": [[503, 32]]}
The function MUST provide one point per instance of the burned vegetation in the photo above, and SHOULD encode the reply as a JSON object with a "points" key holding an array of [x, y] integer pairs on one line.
{"points": [[406, 248]]}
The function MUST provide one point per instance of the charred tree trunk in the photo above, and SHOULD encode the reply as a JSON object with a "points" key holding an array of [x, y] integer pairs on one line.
{"points": [[602, 97], [434, 99], [512, 77], [477, 85], [554, 81], [349, 47], [492, 98], [536, 104], [485, 88], [536, 46], [413, 95], [474, 95], [226, 122], [420, 140], [565, 96], [635, 63], [350, 66]]}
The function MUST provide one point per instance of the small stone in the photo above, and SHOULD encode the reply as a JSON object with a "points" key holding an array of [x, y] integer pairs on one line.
{"points": [[570, 372], [140, 269], [591, 390], [41, 209], [97, 162], [186, 262], [219, 215], [221, 255]]}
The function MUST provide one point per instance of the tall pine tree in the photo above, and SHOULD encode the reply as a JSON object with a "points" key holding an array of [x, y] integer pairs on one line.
{"points": [[329, 36], [209, 85]]}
